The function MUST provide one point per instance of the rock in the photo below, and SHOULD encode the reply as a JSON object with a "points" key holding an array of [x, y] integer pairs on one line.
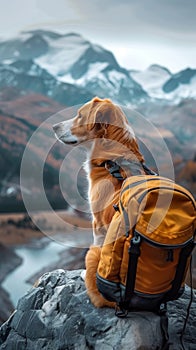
{"points": [[177, 312], [57, 315]]}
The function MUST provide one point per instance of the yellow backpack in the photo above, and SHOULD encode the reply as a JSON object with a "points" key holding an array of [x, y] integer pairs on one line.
{"points": [[148, 245]]}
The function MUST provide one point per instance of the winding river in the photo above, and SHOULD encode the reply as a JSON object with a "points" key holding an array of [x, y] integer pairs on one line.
{"points": [[34, 259]]}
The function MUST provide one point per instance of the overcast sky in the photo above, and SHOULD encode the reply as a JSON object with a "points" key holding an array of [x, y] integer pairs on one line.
{"points": [[138, 32]]}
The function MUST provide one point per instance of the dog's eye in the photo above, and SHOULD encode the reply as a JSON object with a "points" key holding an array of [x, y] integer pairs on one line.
{"points": [[79, 115]]}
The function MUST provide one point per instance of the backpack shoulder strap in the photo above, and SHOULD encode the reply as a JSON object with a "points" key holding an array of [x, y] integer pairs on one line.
{"points": [[180, 271], [134, 253]]}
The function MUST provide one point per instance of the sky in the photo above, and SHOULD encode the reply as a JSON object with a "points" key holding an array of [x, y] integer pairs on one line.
{"points": [[138, 32]]}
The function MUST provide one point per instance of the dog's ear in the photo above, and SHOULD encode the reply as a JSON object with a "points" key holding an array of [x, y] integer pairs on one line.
{"points": [[105, 114], [99, 113], [103, 119]]}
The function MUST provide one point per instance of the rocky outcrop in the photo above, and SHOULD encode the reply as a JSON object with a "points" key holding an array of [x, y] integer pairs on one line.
{"points": [[57, 315]]}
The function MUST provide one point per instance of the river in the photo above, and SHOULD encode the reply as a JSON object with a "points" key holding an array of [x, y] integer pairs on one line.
{"points": [[34, 259]]}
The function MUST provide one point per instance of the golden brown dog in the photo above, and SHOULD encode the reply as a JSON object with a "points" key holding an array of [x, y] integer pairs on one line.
{"points": [[103, 128]]}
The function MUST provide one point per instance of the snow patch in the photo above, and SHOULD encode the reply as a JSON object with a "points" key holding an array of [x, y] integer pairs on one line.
{"points": [[62, 54], [94, 70], [152, 80], [183, 91]]}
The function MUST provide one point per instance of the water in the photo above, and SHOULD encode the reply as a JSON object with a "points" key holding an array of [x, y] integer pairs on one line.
{"points": [[34, 259]]}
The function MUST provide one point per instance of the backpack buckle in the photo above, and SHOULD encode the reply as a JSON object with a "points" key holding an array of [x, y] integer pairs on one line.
{"points": [[134, 247], [120, 311], [136, 239]]}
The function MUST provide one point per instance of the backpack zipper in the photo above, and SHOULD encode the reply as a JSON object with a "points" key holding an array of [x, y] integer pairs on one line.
{"points": [[163, 245]]}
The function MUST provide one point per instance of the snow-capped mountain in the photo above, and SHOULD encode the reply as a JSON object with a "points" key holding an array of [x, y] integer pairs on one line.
{"points": [[71, 69], [152, 79], [27, 76], [73, 60], [160, 83], [182, 83]]}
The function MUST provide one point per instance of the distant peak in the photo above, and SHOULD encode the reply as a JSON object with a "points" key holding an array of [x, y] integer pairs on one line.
{"points": [[154, 67], [73, 34], [48, 33], [188, 70]]}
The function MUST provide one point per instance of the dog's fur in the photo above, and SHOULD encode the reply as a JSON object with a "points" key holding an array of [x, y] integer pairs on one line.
{"points": [[103, 128]]}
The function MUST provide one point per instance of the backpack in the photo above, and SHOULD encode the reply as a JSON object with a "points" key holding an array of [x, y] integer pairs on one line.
{"points": [[148, 245]]}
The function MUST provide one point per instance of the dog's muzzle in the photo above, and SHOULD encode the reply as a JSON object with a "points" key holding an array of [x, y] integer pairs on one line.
{"points": [[63, 133]]}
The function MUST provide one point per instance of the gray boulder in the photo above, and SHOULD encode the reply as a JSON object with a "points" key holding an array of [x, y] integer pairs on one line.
{"points": [[57, 315]]}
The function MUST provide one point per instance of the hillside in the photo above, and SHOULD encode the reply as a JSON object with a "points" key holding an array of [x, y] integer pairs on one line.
{"points": [[20, 116]]}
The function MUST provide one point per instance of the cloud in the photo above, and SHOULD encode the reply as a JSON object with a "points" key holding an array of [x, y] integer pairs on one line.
{"points": [[169, 19], [156, 25]]}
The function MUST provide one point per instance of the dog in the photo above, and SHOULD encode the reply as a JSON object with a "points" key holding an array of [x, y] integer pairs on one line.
{"points": [[103, 129]]}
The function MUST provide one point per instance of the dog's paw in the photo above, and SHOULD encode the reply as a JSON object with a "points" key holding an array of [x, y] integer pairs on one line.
{"points": [[83, 274]]}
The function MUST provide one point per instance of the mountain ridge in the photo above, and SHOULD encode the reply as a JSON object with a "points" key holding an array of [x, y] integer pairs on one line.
{"points": [[71, 59]]}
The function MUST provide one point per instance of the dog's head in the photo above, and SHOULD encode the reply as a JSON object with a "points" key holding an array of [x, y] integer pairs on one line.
{"points": [[96, 119], [106, 124]]}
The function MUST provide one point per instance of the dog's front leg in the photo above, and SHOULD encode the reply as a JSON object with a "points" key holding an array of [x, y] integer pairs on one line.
{"points": [[99, 233], [98, 240]]}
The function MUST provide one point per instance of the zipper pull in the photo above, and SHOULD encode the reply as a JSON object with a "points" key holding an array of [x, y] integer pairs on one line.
{"points": [[170, 255]]}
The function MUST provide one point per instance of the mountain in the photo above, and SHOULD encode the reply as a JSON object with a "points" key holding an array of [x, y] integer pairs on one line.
{"points": [[71, 69], [63, 62], [29, 77], [152, 79], [183, 82], [88, 65], [160, 83]]}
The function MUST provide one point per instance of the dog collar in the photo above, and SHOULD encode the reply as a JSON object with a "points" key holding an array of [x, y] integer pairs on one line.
{"points": [[114, 168]]}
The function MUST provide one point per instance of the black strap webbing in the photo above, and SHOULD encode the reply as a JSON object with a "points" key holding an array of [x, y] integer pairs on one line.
{"points": [[134, 253], [172, 294]]}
